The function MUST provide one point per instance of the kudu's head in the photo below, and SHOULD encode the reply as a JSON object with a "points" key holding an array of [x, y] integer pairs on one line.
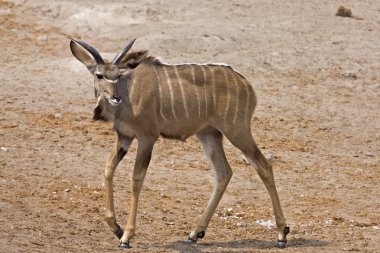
{"points": [[107, 75]]}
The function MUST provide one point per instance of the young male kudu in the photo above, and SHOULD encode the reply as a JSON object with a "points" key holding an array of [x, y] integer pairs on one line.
{"points": [[145, 98]]}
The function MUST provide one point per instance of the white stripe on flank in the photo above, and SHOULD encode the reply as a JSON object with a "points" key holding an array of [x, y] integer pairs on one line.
{"points": [[213, 87], [237, 98], [170, 91], [182, 92], [160, 94], [204, 87], [196, 91], [247, 103], [228, 95]]}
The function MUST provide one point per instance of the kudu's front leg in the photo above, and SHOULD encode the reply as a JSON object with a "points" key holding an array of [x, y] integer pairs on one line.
{"points": [[144, 153], [120, 150]]}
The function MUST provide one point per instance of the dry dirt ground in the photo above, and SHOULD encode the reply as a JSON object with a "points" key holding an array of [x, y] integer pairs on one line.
{"points": [[317, 77]]}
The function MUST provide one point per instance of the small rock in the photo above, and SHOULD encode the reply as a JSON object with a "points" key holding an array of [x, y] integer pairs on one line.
{"points": [[242, 224], [67, 190], [229, 211], [58, 116], [264, 223], [375, 227], [61, 145], [4, 149], [344, 12], [329, 222], [349, 74]]}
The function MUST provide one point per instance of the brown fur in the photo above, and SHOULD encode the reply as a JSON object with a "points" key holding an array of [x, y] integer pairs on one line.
{"points": [[177, 101]]}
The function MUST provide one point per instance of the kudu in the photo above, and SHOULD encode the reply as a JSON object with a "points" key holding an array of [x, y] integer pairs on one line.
{"points": [[145, 98]]}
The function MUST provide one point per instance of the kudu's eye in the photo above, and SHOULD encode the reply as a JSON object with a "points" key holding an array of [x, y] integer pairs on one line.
{"points": [[99, 76]]}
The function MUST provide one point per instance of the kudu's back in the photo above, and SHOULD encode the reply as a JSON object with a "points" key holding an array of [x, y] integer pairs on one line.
{"points": [[189, 97]]}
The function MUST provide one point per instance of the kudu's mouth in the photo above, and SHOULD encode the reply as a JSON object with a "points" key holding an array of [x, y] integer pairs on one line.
{"points": [[112, 100]]}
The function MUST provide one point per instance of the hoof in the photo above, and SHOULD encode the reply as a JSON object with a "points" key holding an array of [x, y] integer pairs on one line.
{"points": [[124, 245], [190, 241], [281, 244], [201, 234], [119, 233]]}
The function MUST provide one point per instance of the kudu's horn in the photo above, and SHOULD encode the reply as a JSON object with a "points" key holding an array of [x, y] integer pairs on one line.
{"points": [[120, 55], [99, 60]]}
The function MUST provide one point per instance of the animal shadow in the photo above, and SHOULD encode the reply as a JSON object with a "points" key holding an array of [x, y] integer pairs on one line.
{"points": [[246, 245]]}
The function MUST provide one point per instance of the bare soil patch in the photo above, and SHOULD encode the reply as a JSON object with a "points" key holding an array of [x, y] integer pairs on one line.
{"points": [[318, 84]]}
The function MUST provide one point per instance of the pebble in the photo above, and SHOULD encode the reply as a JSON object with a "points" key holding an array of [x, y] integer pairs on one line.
{"points": [[344, 12], [264, 223], [349, 74], [229, 211], [242, 224], [58, 116], [4, 149]]}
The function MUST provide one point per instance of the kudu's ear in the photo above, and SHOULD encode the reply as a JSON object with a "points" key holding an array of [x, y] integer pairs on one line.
{"points": [[132, 60], [86, 54]]}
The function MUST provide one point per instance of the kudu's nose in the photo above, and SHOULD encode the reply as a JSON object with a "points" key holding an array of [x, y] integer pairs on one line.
{"points": [[116, 98]]}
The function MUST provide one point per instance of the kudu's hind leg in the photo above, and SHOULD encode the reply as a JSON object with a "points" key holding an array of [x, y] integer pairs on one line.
{"points": [[264, 168], [212, 142], [121, 148]]}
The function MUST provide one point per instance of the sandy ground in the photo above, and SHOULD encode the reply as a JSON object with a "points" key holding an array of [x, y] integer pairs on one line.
{"points": [[317, 77]]}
